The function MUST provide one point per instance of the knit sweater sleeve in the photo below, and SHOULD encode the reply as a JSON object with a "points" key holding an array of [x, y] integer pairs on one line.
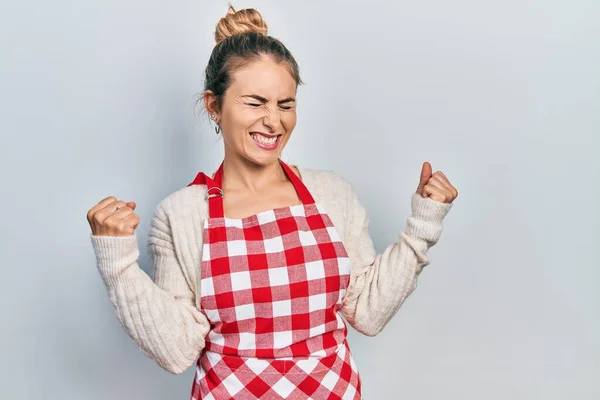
{"points": [[160, 315], [381, 282]]}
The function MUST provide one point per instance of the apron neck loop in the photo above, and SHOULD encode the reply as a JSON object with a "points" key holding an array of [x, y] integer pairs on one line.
{"points": [[214, 189]]}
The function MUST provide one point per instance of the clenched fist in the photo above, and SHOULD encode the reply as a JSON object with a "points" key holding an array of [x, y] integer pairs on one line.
{"points": [[436, 186], [112, 217]]}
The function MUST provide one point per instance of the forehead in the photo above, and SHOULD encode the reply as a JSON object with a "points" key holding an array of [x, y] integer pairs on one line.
{"points": [[263, 77]]}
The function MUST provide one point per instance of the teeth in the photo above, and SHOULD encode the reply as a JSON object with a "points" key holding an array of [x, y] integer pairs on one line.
{"points": [[262, 139]]}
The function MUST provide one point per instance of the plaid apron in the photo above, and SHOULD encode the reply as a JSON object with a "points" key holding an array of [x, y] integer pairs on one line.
{"points": [[271, 286]]}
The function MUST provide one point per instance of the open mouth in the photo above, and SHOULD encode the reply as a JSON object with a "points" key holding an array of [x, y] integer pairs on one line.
{"points": [[265, 141]]}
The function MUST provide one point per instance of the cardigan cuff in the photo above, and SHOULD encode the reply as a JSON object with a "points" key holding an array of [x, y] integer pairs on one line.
{"points": [[114, 254]]}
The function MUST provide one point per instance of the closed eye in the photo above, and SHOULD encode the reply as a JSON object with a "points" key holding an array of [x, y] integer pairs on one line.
{"points": [[264, 101], [258, 105]]}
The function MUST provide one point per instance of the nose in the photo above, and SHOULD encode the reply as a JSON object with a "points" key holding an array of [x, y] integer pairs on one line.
{"points": [[272, 119]]}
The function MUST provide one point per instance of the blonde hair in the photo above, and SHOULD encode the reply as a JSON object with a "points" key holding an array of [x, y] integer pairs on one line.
{"points": [[240, 22], [241, 38]]}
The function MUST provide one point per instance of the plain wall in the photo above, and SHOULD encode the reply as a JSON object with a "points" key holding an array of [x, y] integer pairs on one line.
{"points": [[97, 99]]}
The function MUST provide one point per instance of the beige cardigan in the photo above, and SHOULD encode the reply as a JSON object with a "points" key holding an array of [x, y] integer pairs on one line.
{"points": [[163, 316]]}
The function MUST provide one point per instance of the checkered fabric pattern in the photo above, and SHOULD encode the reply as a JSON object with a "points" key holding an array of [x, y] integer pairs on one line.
{"points": [[271, 286], [225, 377]]}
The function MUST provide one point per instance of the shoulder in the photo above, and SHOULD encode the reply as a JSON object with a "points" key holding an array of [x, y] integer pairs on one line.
{"points": [[325, 182], [189, 200]]}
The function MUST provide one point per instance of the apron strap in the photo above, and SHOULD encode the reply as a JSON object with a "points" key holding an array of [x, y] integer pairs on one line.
{"points": [[215, 192], [301, 189]]}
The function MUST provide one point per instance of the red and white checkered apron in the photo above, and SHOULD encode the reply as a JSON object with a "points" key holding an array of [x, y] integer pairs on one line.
{"points": [[271, 286]]}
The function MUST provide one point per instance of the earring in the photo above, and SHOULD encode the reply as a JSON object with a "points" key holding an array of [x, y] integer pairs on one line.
{"points": [[217, 127]]}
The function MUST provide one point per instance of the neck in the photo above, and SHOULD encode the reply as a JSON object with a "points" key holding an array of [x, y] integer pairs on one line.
{"points": [[239, 174]]}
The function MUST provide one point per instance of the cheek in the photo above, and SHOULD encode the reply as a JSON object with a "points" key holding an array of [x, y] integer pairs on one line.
{"points": [[239, 121], [289, 121]]}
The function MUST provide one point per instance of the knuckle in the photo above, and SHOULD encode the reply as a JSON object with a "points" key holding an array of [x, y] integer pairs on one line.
{"points": [[98, 216]]}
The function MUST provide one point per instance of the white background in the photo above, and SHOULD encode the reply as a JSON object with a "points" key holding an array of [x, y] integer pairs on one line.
{"points": [[96, 99]]}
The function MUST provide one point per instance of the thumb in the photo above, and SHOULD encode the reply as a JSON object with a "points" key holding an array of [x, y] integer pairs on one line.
{"points": [[131, 204], [425, 175]]}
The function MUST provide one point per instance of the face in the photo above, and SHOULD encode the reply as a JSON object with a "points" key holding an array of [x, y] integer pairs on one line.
{"points": [[258, 112]]}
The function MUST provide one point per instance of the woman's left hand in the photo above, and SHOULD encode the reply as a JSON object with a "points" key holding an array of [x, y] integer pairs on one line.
{"points": [[436, 186]]}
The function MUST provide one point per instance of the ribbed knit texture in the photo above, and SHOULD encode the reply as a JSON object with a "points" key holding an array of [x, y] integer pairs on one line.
{"points": [[163, 315]]}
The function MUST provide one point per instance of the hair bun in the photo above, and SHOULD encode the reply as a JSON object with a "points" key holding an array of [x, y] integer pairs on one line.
{"points": [[239, 22]]}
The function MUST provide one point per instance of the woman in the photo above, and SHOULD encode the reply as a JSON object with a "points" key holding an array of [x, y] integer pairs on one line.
{"points": [[256, 264]]}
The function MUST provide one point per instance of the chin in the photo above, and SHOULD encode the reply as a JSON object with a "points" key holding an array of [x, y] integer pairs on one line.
{"points": [[263, 160]]}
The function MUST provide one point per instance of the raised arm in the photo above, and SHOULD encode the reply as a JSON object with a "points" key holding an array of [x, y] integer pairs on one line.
{"points": [[381, 282], [160, 315]]}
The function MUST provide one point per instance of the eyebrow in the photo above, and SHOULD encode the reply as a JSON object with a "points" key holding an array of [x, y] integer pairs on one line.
{"points": [[260, 98]]}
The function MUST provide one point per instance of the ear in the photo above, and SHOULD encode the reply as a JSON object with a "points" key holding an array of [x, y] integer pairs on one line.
{"points": [[210, 103]]}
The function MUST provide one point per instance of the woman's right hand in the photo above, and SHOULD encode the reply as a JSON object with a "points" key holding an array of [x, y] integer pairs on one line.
{"points": [[112, 217]]}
